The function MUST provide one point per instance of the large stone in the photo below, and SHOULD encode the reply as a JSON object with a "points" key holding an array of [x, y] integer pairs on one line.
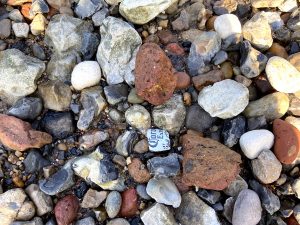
{"points": [[19, 135], [207, 163], [18, 74], [141, 12], [154, 78], [224, 99], [138, 117], [158, 214], [227, 25], [282, 75], [272, 106], [171, 115], [194, 211], [117, 50]]}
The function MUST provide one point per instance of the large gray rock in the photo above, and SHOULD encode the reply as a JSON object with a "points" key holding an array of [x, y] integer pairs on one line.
{"points": [[117, 50], [158, 214], [18, 74], [193, 211]]}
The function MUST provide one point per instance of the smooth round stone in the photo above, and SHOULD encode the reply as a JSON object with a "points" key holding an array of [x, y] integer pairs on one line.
{"points": [[85, 74], [224, 99], [227, 24], [113, 204], [282, 75], [266, 167], [164, 191], [138, 117], [255, 141], [247, 208]]}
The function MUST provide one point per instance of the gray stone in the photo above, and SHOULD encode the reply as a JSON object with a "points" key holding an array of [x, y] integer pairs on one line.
{"points": [[35, 221], [116, 93], [29, 69], [134, 98], [16, 16], [42, 201], [118, 221], [92, 139], [116, 116], [86, 8], [233, 129], [228, 208], [236, 186], [171, 115], [99, 16], [296, 187], [90, 42], [86, 117], [164, 166], [113, 204], [86, 221], [158, 214], [293, 23], [117, 50], [27, 108], [193, 211], [38, 51], [252, 61], [141, 190], [220, 57], [38, 24], [138, 117], [34, 162], [21, 30], [5, 28], [256, 123], [209, 196], [125, 142], [93, 198]]}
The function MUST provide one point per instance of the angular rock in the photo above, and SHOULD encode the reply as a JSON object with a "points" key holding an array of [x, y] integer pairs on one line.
{"points": [[93, 198], [99, 16], [66, 210], [116, 93], [129, 206], [207, 163], [21, 30], [117, 50], [229, 99], [38, 6], [92, 139], [236, 186], [86, 8], [154, 78], [29, 69], [164, 166], [34, 162], [113, 204], [206, 79], [158, 140], [227, 25], [57, 4], [38, 24], [27, 108], [158, 214], [90, 43], [138, 171], [138, 117], [233, 129], [212, 197], [125, 142]]}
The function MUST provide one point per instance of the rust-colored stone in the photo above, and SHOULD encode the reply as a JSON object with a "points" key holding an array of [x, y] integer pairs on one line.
{"points": [[129, 206], [263, 85], [291, 220], [210, 23], [174, 49], [182, 187], [66, 210], [166, 37], [17, 2], [287, 141], [183, 80], [208, 78], [138, 171], [25, 11], [154, 78], [18, 135], [207, 163]]}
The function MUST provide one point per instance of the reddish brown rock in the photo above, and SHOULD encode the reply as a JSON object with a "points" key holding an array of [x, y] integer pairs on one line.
{"points": [[25, 9], [66, 210], [17, 2], [154, 78], [174, 49], [166, 37], [263, 85], [278, 50], [183, 80], [18, 135], [129, 206], [291, 220], [182, 187], [287, 141], [207, 163], [295, 60], [138, 171], [210, 23], [208, 78]]}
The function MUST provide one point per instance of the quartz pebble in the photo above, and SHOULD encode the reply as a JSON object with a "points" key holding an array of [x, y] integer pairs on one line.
{"points": [[227, 25]]}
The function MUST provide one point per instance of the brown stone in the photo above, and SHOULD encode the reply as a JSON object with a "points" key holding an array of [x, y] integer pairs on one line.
{"points": [[166, 37], [187, 98], [17, 2], [287, 141], [226, 68], [292, 220], [295, 60], [154, 78], [66, 210], [138, 171], [207, 163], [277, 50], [129, 206], [18, 135], [210, 23], [174, 49], [263, 85], [208, 78], [183, 80]]}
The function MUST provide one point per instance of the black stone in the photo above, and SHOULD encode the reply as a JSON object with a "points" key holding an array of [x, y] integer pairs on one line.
{"points": [[233, 129], [38, 51], [81, 189]]}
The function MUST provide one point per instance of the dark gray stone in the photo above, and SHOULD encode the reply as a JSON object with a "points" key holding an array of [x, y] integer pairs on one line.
{"points": [[34, 162], [90, 42], [233, 129], [209, 196], [38, 51], [141, 190], [86, 117], [255, 123], [164, 166], [220, 57], [27, 108], [116, 93]]}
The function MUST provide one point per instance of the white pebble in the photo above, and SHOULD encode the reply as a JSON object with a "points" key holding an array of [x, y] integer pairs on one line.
{"points": [[21, 30], [227, 24]]}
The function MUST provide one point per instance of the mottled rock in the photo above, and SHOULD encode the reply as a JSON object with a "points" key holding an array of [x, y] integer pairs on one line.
{"points": [[34, 162], [233, 129], [99, 16], [236, 186], [26, 212], [66, 210], [5, 28], [93, 198], [158, 214], [92, 139], [138, 117], [116, 93], [134, 98], [27, 108], [206, 79], [125, 142]]}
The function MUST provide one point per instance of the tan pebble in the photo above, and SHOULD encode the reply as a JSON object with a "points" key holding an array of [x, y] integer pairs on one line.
{"points": [[187, 98], [18, 182], [227, 70]]}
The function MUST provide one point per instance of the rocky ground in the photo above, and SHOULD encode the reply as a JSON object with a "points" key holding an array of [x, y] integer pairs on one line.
{"points": [[154, 112]]}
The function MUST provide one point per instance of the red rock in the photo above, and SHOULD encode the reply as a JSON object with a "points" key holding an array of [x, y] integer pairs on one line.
{"points": [[166, 37], [207, 163], [287, 141], [154, 78], [175, 49], [208, 78], [66, 210], [183, 80], [291, 220], [18, 135], [129, 206], [25, 11], [17, 2], [138, 171]]}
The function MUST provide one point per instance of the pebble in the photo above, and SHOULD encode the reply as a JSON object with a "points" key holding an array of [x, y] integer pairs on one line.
{"points": [[278, 50], [155, 81], [66, 210], [183, 80], [272, 106], [230, 22], [26, 212], [170, 116], [236, 186], [233, 129], [129, 206], [230, 98], [287, 140], [90, 42], [116, 116], [21, 30], [141, 191], [118, 221], [86, 8], [27, 108], [215, 168], [295, 121], [282, 75], [117, 50], [164, 166], [142, 12], [38, 6], [224, 6], [113, 204], [195, 211], [266, 167], [42, 201], [99, 16], [125, 142], [34, 162], [57, 4], [86, 221], [294, 60], [85, 74], [5, 28], [92, 139], [158, 214], [158, 140], [266, 4], [16, 16], [29, 69], [138, 171], [38, 51], [220, 57], [138, 117], [253, 142], [116, 93], [228, 208], [93, 198], [38, 24], [247, 208]]}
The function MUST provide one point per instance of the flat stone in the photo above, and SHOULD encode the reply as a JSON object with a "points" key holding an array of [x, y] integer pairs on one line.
{"points": [[5, 28], [129, 207], [66, 210], [27, 108], [34, 162], [26, 212], [164, 166], [207, 163], [233, 129], [138, 117], [230, 22], [158, 214], [93, 198], [230, 98], [158, 140], [113, 204]]}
